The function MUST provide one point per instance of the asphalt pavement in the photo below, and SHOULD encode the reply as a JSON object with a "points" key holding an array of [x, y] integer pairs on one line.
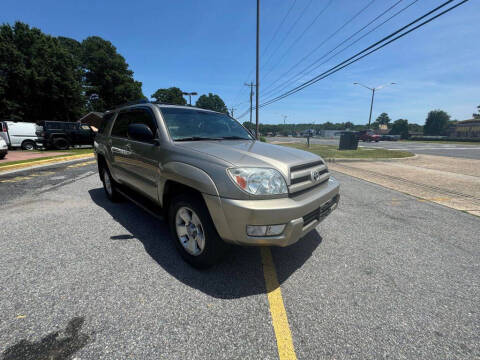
{"points": [[385, 276], [429, 148]]}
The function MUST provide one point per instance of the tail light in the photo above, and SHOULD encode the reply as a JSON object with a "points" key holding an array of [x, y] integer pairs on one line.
{"points": [[3, 128]]}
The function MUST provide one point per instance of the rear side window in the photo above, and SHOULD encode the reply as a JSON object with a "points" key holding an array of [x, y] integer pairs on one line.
{"points": [[105, 121], [121, 125]]}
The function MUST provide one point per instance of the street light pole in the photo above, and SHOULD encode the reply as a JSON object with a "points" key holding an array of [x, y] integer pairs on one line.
{"points": [[257, 80], [371, 107], [189, 94], [373, 96]]}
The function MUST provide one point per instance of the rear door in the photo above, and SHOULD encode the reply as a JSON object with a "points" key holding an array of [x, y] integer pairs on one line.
{"points": [[144, 156], [120, 149]]}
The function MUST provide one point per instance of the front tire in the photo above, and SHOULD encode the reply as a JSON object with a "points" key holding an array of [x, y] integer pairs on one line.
{"points": [[193, 231], [28, 145], [61, 144]]}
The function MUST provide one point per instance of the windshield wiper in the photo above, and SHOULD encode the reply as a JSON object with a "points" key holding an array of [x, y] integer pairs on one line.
{"points": [[234, 138], [197, 138]]}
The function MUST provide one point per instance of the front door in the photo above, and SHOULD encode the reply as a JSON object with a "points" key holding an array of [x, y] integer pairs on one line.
{"points": [[145, 157]]}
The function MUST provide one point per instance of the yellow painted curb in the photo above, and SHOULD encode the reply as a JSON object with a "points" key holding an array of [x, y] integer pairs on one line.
{"points": [[46, 161]]}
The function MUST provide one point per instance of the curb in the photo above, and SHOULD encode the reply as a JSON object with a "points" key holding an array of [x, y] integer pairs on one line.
{"points": [[340, 160], [25, 165]]}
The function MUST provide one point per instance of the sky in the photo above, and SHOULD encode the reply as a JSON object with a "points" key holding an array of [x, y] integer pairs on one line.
{"points": [[209, 46]]}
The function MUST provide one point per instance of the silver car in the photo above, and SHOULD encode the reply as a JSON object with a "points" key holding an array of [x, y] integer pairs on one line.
{"points": [[214, 182]]}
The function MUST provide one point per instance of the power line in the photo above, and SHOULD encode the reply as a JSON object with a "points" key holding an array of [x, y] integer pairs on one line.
{"points": [[333, 34], [288, 32], [278, 27], [267, 47], [353, 59], [297, 40], [308, 69], [356, 57]]}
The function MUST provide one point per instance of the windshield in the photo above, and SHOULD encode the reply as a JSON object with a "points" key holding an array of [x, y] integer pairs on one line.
{"points": [[192, 124]]}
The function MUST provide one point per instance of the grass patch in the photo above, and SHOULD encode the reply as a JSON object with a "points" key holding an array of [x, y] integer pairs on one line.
{"points": [[47, 157], [332, 152]]}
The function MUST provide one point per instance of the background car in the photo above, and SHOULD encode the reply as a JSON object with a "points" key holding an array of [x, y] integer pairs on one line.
{"points": [[368, 135], [22, 135], [3, 148], [61, 135], [4, 132]]}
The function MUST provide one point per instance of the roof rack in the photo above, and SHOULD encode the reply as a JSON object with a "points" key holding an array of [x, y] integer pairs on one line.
{"points": [[134, 102]]}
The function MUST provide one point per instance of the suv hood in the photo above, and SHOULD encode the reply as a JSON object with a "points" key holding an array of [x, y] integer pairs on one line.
{"points": [[252, 153]]}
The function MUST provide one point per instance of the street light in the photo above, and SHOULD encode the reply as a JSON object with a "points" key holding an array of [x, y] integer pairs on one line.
{"points": [[190, 94], [373, 96]]}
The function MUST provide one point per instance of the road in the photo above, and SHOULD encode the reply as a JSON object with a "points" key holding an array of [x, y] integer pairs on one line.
{"points": [[451, 150], [385, 276]]}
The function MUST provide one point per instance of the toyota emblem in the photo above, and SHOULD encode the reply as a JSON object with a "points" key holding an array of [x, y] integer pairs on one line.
{"points": [[315, 175]]}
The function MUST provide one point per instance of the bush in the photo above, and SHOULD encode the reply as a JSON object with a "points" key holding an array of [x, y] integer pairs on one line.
{"points": [[263, 139]]}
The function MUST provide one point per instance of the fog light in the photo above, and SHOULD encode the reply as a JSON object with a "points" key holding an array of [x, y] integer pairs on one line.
{"points": [[265, 230]]}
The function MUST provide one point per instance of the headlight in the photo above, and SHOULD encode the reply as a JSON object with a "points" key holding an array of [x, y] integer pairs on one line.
{"points": [[259, 181]]}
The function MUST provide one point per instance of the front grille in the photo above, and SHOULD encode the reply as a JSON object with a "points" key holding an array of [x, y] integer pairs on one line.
{"points": [[301, 176], [306, 166]]}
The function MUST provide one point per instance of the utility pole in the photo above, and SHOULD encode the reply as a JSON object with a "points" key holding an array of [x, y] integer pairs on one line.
{"points": [[257, 80], [232, 109], [251, 101], [373, 96]]}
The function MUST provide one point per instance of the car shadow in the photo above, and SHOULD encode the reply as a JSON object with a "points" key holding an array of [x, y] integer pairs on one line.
{"points": [[238, 275]]}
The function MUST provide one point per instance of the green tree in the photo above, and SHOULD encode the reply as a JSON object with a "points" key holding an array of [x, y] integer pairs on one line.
{"points": [[212, 102], [415, 128], [477, 115], [171, 95], [348, 125], [39, 78], [400, 127], [107, 75], [436, 123], [382, 119]]}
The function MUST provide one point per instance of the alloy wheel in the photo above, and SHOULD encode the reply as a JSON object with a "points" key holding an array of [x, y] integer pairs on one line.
{"points": [[190, 231]]}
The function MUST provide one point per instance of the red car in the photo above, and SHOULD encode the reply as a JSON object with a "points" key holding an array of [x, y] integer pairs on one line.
{"points": [[368, 135]]}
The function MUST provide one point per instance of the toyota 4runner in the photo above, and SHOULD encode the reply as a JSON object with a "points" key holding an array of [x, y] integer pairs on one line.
{"points": [[214, 183]]}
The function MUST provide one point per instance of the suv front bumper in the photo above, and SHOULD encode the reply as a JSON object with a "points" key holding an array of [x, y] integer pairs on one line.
{"points": [[301, 214]]}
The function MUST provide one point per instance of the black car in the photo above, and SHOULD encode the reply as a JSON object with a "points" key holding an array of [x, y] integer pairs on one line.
{"points": [[61, 135]]}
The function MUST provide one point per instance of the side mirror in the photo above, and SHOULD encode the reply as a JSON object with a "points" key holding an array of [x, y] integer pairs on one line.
{"points": [[140, 132]]}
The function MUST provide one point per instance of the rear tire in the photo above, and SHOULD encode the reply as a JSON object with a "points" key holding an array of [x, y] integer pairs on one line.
{"points": [[110, 186], [2, 156], [28, 145], [210, 248], [61, 144]]}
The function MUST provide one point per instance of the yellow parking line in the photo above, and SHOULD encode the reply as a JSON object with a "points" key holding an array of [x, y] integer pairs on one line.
{"points": [[277, 309], [15, 179], [80, 164]]}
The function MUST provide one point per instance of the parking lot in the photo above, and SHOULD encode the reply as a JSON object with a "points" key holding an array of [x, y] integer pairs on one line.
{"points": [[467, 151], [385, 276]]}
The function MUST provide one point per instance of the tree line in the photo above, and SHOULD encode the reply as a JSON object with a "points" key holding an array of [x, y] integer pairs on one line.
{"points": [[437, 123], [43, 77]]}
